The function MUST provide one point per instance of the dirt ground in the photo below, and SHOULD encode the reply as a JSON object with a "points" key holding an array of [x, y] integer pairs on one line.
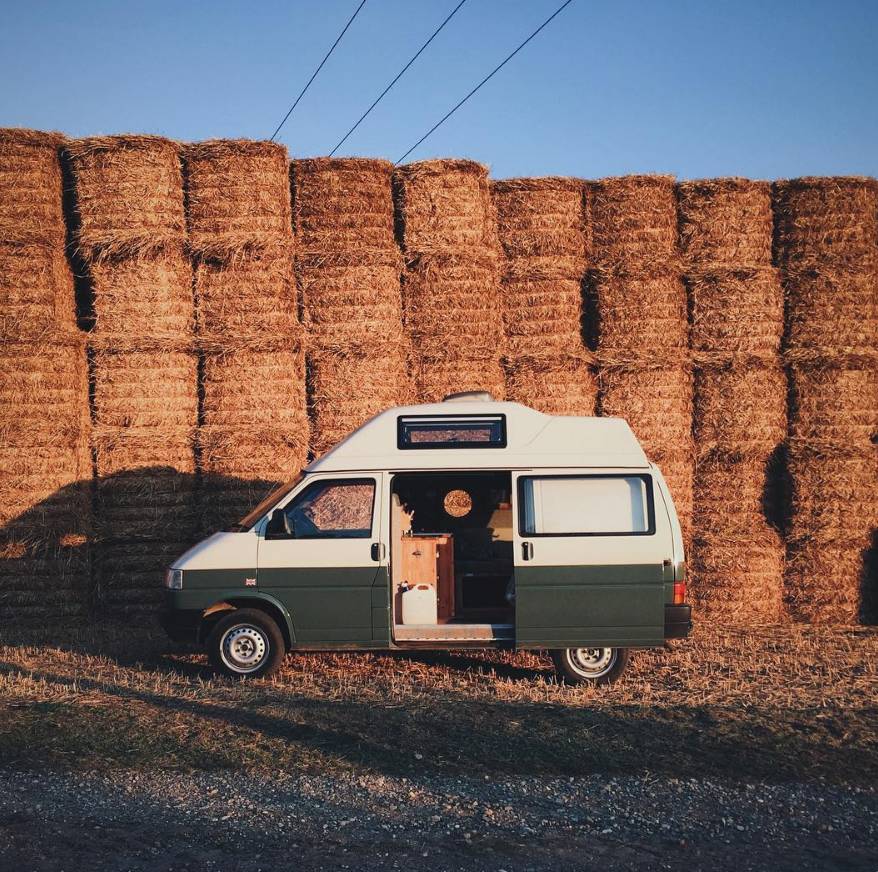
{"points": [[733, 750]]}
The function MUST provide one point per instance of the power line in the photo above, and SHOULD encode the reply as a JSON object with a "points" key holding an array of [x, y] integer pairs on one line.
{"points": [[320, 67], [399, 75], [490, 75]]}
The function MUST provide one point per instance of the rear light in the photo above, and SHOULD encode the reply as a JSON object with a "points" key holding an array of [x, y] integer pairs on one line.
{"points": [[679, 593]]}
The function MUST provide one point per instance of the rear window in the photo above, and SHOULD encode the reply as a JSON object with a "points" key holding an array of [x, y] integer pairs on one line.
{"points": [[452, 431], [594, 505]]}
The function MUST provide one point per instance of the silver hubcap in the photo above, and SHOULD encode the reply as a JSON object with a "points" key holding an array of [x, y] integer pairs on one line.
{"points": [[243, 648], [591, 662]]}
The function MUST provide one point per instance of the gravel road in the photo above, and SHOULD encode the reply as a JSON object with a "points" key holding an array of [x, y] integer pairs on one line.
{"points": [[163, 820]]}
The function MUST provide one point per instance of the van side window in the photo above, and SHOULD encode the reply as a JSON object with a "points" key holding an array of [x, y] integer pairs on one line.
{"points": [[593, 505], [337, 509]]}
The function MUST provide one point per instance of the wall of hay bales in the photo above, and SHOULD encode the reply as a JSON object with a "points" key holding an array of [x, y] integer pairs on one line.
{"points": [[185, 325]]}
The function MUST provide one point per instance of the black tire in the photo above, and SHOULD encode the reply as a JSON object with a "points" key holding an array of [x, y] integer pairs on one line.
{"points": [[574, 667], [257, 632]]}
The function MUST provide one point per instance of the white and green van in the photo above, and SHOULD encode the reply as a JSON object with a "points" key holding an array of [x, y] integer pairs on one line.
{"points": [[466, 523]]}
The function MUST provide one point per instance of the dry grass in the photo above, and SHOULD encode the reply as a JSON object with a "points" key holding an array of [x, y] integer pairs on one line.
{"points": [[776, 704]]}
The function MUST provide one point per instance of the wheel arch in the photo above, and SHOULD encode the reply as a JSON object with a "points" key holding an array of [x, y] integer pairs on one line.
{"points": [[264, 602]]}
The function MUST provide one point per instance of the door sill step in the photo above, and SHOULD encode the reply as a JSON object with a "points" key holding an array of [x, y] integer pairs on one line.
{"points": [[453, 632]]}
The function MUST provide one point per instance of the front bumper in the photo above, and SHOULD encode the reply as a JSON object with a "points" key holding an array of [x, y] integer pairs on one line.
{"points": [[678, 621], [181, 625]]}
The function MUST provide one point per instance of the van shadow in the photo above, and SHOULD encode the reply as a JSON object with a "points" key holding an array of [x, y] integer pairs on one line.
{"points": [[452, 734], [97, 549]]}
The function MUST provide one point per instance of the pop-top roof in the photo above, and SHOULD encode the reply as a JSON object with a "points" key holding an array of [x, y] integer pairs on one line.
{"points": [[532, 439]]}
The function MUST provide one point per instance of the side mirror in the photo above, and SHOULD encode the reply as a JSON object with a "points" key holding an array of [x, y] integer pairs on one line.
{"points": [[277, 527]]}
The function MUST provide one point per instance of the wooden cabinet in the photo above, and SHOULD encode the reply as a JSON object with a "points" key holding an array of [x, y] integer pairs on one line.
{"points": [[430, 560]]}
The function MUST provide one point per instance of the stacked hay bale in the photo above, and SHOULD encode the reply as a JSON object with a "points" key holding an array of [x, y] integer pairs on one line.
{"points": [[736, 306], [253, 427], [451, 290], [825, 236], [130, 233], [541, 230], [45, 465], [642, 322], [348, 272]]}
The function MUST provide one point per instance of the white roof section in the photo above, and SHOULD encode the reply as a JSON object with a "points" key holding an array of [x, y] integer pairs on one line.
{"points": [[533, 440]]}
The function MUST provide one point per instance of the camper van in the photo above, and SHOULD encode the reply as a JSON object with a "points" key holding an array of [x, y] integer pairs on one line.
{"points": [[462, 524]]}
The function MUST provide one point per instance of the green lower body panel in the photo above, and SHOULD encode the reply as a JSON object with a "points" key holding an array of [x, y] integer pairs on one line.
{"points": [[573, 606]]}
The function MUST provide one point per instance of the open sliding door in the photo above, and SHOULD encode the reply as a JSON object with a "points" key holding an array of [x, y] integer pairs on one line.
{"points": [[589, 552]]}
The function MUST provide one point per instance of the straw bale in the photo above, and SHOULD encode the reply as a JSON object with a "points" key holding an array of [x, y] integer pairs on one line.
{"points": [[30, 187], [252, 294], [251, 456], [237, 196], [542, 309], [129, 195], [825, 580], [143, 297], [346, 389], [224, 500], [122, 450], [555, 386], [833, 311], [656, 402], [725, 221], [43, 391], [246, 388], [351, 298], [738, 579], [150, 502], [541, 217], [444, 204], [36, 291], [740, 407], [640, 312], [832, 494], [834, 403], [451, 303], [634, 222], [738, 310], [144, 389], [828, 221], [435, 379], [677, 465], [130, 576], [343, 205]]}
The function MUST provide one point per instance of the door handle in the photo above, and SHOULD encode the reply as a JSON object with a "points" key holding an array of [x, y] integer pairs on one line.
{"points": [[377, 551], [527, 550]]}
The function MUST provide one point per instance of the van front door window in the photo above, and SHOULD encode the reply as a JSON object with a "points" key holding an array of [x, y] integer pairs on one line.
{"points": [[333, 510]]}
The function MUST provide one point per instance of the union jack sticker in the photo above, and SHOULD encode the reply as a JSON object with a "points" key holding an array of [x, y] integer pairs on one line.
{"points": [[250, 582]]}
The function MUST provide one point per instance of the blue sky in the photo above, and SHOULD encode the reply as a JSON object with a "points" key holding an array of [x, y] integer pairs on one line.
{"points": [[761, 89]]}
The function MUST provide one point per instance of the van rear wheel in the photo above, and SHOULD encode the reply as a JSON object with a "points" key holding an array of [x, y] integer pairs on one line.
{"points": [[590, 665], [246, 643]]}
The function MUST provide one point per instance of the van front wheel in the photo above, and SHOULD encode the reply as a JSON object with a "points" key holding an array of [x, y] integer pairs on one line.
{"points": [[590, 665], [246, 643]]}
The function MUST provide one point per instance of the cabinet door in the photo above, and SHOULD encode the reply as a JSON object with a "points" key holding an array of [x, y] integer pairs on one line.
{"points": [[419, 561], [445, 575]]}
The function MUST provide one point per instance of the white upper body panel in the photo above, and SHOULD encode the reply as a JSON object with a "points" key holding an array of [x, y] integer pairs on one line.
{"points": [[533, 440]]}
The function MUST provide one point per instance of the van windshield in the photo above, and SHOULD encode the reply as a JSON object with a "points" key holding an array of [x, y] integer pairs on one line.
{"points": [[253, 516]]}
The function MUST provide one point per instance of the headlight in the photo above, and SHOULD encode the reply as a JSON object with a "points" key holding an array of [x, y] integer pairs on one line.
{"points": [[174, 579]]}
